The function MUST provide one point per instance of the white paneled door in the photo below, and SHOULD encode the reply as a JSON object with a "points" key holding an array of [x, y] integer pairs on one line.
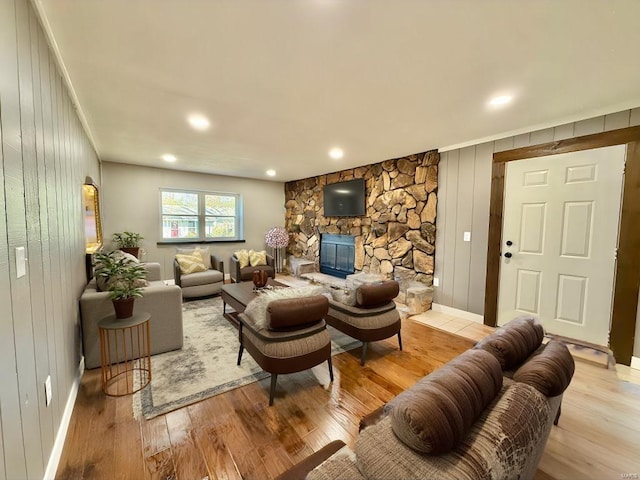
{"points": [[559, 238]]}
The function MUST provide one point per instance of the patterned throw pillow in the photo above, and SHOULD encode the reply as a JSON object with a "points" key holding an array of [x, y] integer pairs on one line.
{"points": [[191, 263], [243, 258], [257, 259], [203, 251]]}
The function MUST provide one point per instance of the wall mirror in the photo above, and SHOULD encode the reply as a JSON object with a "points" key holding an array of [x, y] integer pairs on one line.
{"points": [[92, 222]]}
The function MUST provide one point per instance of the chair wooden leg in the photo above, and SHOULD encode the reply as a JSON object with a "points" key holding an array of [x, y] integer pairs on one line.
{"points": [[364, 353], [274, 378], [399, 340], [330, 369], [555, 422], [240, 354]]}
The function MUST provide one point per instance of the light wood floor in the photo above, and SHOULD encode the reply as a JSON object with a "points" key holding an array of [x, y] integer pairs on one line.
{"points": [[236, 435]]}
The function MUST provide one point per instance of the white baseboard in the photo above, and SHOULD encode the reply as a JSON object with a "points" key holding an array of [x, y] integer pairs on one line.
{"points": [[635, 363], [463, 314], [56, 452]]}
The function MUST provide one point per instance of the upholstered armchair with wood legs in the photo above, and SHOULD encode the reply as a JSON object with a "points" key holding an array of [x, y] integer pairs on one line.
{"points": [[373, 318], [240, 273], [200, 283], [292, 338]]}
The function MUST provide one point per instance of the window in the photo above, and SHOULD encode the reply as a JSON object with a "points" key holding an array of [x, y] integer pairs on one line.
{"points": [[200, 215]]}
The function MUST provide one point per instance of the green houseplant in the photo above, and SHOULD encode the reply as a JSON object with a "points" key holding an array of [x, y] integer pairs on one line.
{"points": [[123, 279], [128, 242]]}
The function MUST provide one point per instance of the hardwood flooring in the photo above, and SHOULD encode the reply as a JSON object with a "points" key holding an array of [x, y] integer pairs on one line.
{"points": [[237, 435]]}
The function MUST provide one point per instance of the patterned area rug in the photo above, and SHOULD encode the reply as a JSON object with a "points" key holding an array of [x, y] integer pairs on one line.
{"points": [[206, 365]]}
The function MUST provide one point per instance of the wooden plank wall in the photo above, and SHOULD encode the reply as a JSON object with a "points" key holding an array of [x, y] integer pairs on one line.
{"points": [[44, 158], [464, 184]]}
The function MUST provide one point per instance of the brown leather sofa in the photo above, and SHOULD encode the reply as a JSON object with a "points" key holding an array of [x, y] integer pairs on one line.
{"points": [[374, 316], [292, 338]]}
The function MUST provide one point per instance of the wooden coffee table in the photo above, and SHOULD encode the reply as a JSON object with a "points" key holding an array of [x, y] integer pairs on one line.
{"points": [[238, 296]]}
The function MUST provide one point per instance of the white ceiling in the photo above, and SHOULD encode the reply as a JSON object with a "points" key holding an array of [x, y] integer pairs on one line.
{"points": [[283, 81]]}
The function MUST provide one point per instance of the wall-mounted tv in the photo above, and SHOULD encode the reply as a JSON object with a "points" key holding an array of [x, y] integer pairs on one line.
{"points": [[344, 199]]}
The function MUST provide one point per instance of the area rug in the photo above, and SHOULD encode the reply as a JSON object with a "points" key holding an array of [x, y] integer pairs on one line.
{"points": [[206, 364]]}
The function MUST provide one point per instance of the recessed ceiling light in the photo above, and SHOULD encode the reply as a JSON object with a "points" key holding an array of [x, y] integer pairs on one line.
{"points": [[500, 100], [167, 157], [336, 153], [271, 173], [199, 122]]}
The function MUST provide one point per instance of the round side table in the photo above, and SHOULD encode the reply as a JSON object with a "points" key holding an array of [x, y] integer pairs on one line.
{"points": [[124, 351]]}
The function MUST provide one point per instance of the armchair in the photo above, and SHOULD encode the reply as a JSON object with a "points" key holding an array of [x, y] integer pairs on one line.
{"points": [[200, 283], [242, 274], [373, 318], [292, 338]]}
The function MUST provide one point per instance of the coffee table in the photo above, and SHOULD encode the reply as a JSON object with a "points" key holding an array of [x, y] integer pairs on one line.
{"points": [[238, 296]]}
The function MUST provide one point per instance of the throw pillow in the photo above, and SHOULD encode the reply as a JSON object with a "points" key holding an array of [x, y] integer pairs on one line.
{"points": [[243, 258], [257, 259], [131, 258], [514, 342], [435, 417], [203, 251], [257, 308], [190, 263], [549, 370]]}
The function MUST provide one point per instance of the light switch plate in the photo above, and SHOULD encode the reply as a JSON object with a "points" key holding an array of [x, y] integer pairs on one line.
{"points": [[467, 236], [21, 267], [436, 282]]}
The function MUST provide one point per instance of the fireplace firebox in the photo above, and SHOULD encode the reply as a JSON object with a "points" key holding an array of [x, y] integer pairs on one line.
{"points": [[337, 254]]}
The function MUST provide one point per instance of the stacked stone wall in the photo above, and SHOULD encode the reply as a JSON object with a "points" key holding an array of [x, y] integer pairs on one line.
{"points": [[395, 238]]}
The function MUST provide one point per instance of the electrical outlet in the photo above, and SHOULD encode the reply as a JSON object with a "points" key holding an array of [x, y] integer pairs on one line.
{"points": [[436, 282], [47, 390], [467, 236]]}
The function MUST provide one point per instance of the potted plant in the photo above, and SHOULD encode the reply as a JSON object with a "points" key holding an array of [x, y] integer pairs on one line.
{"points": [[122, 279], [128, 242]]}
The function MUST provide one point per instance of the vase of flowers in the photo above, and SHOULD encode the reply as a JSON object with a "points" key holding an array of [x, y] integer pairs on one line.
{"points": [[128, 242], [123, 278]]}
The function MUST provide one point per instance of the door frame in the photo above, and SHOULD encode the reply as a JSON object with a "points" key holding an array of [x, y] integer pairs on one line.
{"points": [[627, 270]]}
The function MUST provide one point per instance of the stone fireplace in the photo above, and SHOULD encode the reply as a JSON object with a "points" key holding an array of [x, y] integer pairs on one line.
{"points": [[396, 237]]}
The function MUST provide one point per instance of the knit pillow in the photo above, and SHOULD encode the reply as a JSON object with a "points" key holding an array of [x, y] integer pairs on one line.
{"points": [[549, 370], [243, 258], [191, 263], [514, 342], [440, 410], [257, 259]]}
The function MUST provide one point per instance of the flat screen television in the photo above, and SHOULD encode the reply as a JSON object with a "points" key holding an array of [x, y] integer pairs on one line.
{"points": [[344, 199]]}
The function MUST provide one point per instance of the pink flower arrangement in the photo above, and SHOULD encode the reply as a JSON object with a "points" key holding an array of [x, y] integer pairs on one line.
{"points": [[277, 237]]}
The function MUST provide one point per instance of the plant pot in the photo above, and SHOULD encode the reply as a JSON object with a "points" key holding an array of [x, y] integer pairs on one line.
{"points": [[123, 307], [132, 250], [260, 278]]}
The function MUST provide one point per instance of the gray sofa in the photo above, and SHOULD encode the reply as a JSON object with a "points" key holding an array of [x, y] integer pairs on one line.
{"points": [[486, 414], [163, 302]]}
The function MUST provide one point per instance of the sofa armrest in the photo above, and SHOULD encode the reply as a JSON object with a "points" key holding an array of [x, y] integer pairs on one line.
{"points": [[271, 261], [154, 272], [176, 272], [301, 469]]}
